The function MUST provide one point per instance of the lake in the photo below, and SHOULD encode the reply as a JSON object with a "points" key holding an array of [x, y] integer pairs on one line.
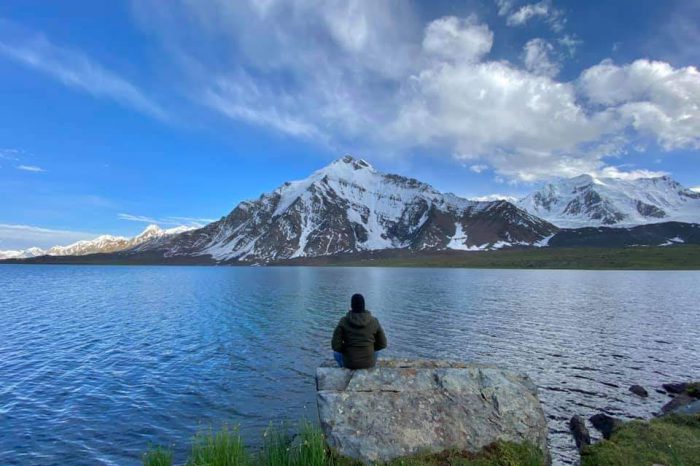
{"points": [[97, 362]]}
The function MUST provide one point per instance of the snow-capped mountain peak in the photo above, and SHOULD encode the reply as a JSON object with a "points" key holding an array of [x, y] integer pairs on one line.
{"points": [[586, 200], [349, 206]]}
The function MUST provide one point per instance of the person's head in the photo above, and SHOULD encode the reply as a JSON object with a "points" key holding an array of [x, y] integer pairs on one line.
{"points": [[357, 303]]}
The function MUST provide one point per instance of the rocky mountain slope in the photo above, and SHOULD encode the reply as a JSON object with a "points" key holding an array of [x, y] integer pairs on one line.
{"points": [[348, 207], [586, 201], [654, 234], [101, 244]]}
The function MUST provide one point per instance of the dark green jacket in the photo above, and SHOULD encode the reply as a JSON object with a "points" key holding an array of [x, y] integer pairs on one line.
{"points": [[358, 335]]}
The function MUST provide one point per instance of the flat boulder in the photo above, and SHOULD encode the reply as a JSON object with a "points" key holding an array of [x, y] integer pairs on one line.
{"points": [[405, 406]]}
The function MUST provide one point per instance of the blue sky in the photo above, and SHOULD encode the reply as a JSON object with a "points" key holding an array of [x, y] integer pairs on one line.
{"points": [[116, 114]]}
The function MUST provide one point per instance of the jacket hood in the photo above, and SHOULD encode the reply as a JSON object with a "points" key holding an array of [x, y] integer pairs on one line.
{"points": [[358, 319]]}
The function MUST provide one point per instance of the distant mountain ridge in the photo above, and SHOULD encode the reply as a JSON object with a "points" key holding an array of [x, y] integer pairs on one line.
{"points": [[587, 201], [349, 207], [101, 244]]}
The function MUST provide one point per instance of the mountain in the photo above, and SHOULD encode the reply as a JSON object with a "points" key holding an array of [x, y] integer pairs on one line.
{"points": [[350, 207], [22, 254], [586, 201], [101, 244]]}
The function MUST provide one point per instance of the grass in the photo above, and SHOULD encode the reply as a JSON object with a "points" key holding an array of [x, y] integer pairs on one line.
{"points": [[158, 456], [693, 389], [669, 440], [308, 448], [223, 448], [682, 257]]}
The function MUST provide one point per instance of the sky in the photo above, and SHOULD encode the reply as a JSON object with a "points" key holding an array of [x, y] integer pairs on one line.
{"points": [[116, 114]]}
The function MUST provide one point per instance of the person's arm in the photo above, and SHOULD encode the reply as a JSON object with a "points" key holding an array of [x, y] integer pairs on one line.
{"points": [[337, 341], [379, 338]]}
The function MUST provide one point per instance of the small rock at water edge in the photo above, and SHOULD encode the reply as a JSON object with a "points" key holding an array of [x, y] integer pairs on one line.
{"points": [[605, 424], [580, 432]]}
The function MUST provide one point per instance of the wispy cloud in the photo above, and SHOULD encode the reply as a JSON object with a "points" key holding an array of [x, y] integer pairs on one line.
{"points": [[17, 236], [443, 91], [10, 154], [73, 68], [615, 172], [189, 221], [30, 168], [695, 189], [544, 9]]}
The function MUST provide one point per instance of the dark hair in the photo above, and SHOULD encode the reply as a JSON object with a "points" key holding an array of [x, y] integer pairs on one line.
{"points": [[357, 303]]}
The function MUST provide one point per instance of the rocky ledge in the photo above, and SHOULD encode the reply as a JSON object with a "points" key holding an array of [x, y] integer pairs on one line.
{"points": [[404, 407]]}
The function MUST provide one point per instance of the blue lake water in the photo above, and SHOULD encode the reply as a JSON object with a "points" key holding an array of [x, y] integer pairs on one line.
{"points": [[98, 362]]}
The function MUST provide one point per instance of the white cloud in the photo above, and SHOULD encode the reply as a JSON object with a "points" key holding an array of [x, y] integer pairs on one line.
{"points": [[363, 76], [478, 168], [695, 189], [31, 168], [177, 221], [494, 197], [137, 218], [13, 236], [615, 172], [651, 97], [239, 98], [456, 39], [537, 58], [10, 154], [73, 69], [570, 43], [504, 7], [525, 13], [525, 126]]}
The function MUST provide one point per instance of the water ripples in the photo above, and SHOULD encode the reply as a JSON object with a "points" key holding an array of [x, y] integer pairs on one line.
{"points": [[98, 362]]}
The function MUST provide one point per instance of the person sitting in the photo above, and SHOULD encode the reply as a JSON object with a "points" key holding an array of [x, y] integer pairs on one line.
{"points": [[358, 337]]}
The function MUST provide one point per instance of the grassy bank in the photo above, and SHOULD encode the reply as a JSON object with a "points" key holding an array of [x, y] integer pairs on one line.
{"points": [[225, 448], [669, 440], [685, 257], [679, 257]]}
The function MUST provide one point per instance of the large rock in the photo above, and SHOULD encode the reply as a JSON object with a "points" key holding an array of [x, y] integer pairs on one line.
{"points": [[403, 407]]}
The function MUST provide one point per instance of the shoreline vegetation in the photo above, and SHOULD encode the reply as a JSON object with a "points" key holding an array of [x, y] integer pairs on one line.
{"points": [[308, 448], [678, 257], [672, 440]]}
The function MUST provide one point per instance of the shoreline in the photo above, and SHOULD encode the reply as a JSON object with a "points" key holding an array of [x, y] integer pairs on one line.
{"points": [[667, 258]]}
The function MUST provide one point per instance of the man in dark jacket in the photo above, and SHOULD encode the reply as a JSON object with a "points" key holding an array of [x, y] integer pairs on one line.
{"points": [[357, 337]]}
